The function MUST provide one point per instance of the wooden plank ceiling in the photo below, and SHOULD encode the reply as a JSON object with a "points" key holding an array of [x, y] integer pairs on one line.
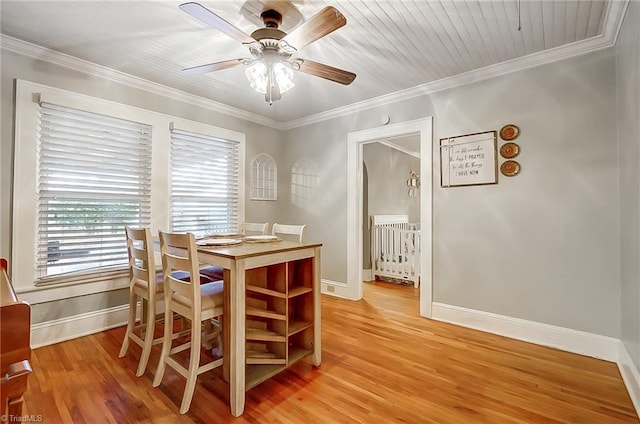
{"points": [[391, 45]]}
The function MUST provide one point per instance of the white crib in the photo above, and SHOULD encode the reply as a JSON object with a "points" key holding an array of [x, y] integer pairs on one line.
{"points": [[395, 248]]}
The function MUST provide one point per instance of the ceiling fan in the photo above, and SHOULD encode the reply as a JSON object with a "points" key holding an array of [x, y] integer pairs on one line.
{"points": [[270, 68]]}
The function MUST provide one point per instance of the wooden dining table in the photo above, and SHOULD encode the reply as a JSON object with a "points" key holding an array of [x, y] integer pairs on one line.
{"points": [[283, 275]]}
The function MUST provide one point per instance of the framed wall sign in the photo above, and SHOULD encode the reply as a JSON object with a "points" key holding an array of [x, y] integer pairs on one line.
{"points": [[469, 159]]}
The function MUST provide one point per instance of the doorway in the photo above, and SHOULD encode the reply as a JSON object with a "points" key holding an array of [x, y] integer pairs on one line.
{"points": [[423, 128]]}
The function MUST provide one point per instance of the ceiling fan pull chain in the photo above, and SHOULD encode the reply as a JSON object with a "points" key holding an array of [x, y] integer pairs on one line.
{"points": [[519, 21]]}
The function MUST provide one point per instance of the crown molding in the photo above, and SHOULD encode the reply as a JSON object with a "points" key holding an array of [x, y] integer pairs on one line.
{"points": [[41, 53], [613, 19], [611, 27]]}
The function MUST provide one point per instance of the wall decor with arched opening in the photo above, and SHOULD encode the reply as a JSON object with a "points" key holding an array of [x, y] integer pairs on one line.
{"points": [[264, 178]]}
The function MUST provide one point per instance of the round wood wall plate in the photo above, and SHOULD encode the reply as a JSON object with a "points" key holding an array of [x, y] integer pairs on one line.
{"points": [[510, 168], [509, 132], [509, 150]]}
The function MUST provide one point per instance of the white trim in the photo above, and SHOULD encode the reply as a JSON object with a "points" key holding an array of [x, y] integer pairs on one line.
{"points": [[611, 27], [575, 341], [355, 141], [334, 288], [367, 275], [40, 294], [630, 376], [60, 330]]}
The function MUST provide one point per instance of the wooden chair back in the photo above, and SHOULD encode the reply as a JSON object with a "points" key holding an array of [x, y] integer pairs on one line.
{"points": [[180, 255], [254, 228], [289, 230], [142, 266]]}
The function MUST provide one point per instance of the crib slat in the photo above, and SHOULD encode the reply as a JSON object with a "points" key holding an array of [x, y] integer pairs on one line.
{"points": [[395, 251]]}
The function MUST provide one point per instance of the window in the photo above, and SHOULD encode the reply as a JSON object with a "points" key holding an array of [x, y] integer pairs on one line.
{"points": [[94, 177], [84, 167], [264, 178], [204, 183]]}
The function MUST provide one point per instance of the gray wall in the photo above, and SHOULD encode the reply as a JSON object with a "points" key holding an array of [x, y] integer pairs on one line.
{"points": [[13, 66], [388, 173], [542, 246], [628, 90]]}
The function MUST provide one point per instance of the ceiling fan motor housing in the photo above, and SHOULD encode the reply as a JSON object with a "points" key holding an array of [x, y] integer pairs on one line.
{"points": [[271, 18]]}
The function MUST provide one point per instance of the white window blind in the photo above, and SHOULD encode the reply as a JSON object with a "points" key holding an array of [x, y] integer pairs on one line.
{"points": [[94, 177], [264, 178], [204, 183]]}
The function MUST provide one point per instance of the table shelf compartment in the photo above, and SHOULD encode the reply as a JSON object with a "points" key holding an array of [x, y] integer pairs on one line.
{"points": [[256, 374], [280, 317], [298, 353], [265, 291], [297, 326], [299, 275], [297, 291], [261, 352], [266, 330], [265, 306], [265, 313], [271, 279]]}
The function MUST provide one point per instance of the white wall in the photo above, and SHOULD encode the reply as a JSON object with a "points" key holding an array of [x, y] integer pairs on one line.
{"points": [[628, 112]]}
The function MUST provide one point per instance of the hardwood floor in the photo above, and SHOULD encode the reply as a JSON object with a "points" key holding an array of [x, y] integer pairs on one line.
{"points": [[381, 363]]}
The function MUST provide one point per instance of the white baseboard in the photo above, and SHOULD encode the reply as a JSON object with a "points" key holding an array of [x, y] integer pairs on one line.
{"points": [[60, 330], [566, 339], [367, 275], [630, 376], [335, 288]]}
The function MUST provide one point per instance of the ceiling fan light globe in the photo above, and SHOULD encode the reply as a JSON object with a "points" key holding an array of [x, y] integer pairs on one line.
{"points": [[283, 75], [257, 75]]}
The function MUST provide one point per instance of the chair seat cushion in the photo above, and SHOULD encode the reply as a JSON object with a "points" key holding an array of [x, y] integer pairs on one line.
{"points": [[184, 276], [211, 296], [214, 273]]}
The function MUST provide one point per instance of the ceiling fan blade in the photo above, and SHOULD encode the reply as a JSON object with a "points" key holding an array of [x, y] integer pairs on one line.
{"points": [[210, 67], [208, 17], [327, 72], [322, 23]]}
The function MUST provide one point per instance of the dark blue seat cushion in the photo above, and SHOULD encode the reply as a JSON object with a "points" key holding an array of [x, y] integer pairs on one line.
{"points": [[215, 273], [184, 276]]}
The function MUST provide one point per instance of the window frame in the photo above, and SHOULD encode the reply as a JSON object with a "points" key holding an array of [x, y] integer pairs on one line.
{"points": [[25, 183]]}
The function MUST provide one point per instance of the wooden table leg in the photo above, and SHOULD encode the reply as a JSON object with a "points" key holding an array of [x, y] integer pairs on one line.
{"points": [[226, 327], [237, 338], [317, 336]]}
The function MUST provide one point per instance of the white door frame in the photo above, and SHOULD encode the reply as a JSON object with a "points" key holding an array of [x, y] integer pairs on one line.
{"points": [[424, 128]]}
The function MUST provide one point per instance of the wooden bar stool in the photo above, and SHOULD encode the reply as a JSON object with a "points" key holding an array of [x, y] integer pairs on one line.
{"points": [[143, 285], [146, 285], [199, 303]]}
